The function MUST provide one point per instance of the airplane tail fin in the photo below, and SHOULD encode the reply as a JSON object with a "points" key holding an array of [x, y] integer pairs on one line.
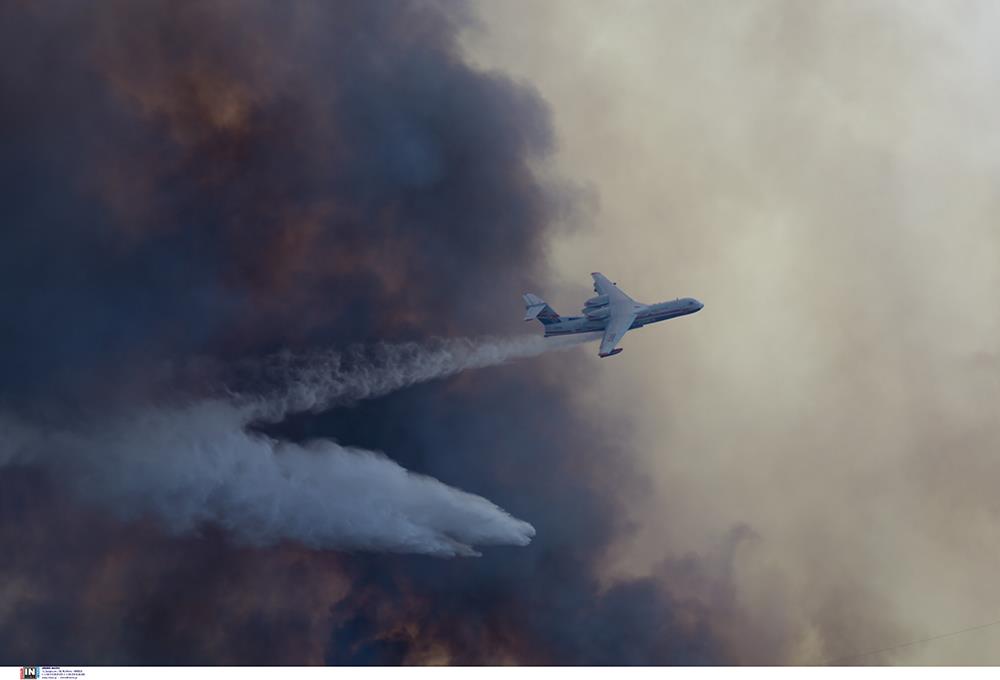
{"points": [[537, 308]]}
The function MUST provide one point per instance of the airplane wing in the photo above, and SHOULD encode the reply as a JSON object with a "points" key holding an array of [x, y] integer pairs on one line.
{"points": [[622, 310], [618, 325], [604, 286]]}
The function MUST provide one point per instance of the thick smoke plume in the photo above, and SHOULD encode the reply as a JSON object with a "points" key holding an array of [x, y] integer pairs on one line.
{"points": [[198, 198]]}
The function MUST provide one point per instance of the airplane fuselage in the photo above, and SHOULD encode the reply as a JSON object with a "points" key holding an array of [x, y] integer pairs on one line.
{"points": [[647, 314], [611, 312]]}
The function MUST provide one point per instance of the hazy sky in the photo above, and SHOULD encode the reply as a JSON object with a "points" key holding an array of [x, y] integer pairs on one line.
{"points": [[802, 472], [823, 176]]}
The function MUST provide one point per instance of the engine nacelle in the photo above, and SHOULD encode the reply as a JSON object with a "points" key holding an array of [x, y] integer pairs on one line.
{"points": [[598, 301], [595, 313]]}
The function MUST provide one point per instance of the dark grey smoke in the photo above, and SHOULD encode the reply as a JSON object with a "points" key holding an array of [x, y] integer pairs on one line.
{"points": [[189, 188]]}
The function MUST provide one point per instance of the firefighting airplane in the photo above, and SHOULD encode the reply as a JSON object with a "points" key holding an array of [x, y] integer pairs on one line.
{"points": [[611, 311]]}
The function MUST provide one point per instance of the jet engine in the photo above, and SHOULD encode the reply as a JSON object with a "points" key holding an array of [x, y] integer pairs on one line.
{"points": [[598, 301], [594, 313]]}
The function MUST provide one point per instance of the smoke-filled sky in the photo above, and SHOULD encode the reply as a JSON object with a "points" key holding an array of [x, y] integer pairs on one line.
{"points": [[265, 394], [824, 176]]}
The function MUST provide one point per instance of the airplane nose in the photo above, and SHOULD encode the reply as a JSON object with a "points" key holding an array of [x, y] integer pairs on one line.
{"points": [[699, 305]]}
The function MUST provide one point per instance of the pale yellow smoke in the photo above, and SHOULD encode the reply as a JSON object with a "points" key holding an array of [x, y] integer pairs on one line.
{"points": [[824, 176]]}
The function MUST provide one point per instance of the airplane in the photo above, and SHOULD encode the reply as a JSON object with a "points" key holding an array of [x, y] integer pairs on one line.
{"points": [[610, 311]]}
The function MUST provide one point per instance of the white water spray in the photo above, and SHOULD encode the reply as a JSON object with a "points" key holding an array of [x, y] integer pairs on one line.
{"points": [[313, 382], [201, 463]]}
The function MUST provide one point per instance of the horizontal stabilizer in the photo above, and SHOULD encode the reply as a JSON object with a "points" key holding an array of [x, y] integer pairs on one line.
{"points": [[536, 308], [533, 312]]}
